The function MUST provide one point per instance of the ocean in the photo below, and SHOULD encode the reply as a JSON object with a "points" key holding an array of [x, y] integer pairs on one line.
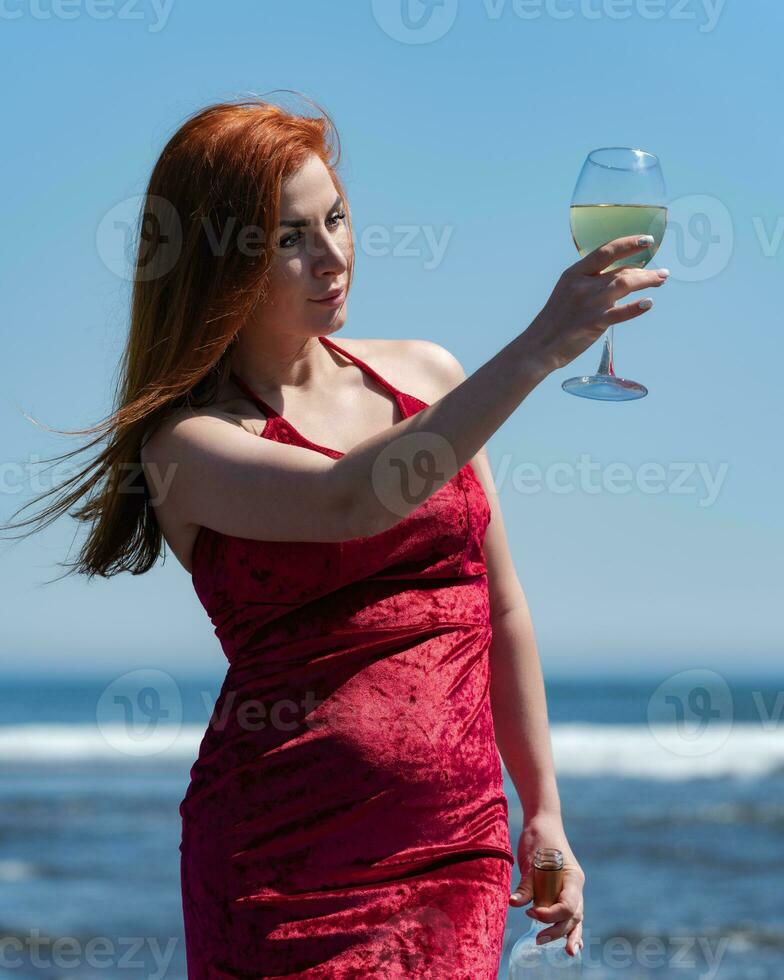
{"points": [[672, 792]]}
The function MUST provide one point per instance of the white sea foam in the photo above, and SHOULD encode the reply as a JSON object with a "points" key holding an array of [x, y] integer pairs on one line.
{"points": [[86, 743], [643, 751], [668, 751], [12, 870]]}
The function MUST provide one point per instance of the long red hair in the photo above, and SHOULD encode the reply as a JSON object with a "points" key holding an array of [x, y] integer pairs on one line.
{"points": [[220, 174]]}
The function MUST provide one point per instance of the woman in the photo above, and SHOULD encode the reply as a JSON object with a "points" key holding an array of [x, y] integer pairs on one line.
{"points": [[345, 816]]}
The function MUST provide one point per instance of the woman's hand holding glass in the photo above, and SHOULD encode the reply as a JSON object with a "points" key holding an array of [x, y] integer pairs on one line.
{"points": [[581, 306]]}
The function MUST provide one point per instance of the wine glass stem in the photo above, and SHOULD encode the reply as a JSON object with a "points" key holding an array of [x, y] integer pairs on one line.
{"points": [[606, 363]]}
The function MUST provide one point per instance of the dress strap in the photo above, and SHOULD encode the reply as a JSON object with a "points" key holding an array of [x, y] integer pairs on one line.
{"points": [[281, 429], [270, 411], [256, 399], [360, 363]]}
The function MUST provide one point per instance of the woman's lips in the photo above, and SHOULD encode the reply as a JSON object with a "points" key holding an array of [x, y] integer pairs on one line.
{"points": [[335, 300]]}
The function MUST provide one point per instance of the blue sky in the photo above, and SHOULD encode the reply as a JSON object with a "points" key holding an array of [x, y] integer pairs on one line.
{"points": [[463, 128]]}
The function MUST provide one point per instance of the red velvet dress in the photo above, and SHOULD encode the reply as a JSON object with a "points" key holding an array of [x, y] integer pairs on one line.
{"points": [[346, 817]]}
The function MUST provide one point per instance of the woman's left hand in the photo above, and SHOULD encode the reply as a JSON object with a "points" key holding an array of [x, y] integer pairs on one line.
{"points": [[566, 916]]}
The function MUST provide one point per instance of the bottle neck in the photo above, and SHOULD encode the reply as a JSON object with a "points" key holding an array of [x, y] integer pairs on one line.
{"points": [[547, 886], [547, 875]]}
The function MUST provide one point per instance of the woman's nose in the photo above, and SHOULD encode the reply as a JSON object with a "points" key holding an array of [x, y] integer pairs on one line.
{"points": [[328, 252]]}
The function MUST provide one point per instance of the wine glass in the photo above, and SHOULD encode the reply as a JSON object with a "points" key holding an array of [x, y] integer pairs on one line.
{"points": [[620, 191]]}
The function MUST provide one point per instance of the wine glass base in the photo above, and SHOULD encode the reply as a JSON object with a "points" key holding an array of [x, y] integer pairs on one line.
{"points": [[605, 387]]}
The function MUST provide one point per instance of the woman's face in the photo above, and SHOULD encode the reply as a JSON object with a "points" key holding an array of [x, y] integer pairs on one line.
{"points": [[311, 260]]}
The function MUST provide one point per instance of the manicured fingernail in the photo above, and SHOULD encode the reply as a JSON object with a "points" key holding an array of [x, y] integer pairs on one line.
{"points": [[662, 273], [645, 240], [645, 304]]}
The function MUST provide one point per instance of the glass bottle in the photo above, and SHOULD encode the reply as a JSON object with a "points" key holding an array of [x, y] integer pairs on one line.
{"points": [[528, 961]]}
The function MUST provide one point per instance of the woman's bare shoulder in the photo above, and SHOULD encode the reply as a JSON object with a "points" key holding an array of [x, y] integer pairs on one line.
{"points": [[157, 438], [417, 366]]}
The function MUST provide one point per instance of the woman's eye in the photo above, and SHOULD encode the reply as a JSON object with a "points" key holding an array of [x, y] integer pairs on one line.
{"points": [[292, 239]]}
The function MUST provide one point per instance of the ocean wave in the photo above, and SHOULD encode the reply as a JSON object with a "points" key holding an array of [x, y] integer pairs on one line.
{"points": [[45, 743], [668, 752], [582, 750], [12, 870]]}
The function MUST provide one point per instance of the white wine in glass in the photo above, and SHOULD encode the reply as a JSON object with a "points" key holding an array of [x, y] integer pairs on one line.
{"points": [[595, 224], [631, 182]]}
